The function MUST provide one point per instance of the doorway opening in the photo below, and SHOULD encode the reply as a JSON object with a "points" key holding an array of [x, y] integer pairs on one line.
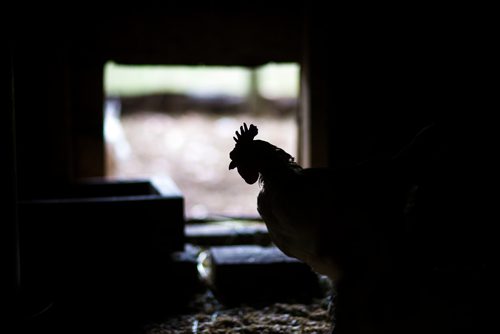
{"points": [[178, 121]]}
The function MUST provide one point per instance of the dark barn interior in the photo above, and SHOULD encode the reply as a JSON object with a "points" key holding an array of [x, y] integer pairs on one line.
{"points": [[370, 81]]}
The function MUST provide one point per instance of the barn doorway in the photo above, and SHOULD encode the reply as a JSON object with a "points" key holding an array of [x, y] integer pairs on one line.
{"points": [[178, 121]]}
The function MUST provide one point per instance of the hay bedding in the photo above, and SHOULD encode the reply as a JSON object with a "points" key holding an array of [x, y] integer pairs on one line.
{"points": [[213, 318]]}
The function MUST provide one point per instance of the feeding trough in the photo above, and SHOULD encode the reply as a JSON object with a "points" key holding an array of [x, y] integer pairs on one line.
{"points": [[100, 237]]}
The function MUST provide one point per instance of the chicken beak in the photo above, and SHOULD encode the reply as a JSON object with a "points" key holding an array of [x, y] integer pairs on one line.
{"points": [[232, 165]]}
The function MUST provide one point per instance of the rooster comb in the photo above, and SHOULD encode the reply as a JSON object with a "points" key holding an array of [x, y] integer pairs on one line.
{"points": [[246, 134]]}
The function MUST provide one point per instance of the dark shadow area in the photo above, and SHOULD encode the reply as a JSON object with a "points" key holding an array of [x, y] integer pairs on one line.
{"points": [[412, 235]]}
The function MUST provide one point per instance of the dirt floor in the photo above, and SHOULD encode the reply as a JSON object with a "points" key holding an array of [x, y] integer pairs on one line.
{"points": [[193, 149]]}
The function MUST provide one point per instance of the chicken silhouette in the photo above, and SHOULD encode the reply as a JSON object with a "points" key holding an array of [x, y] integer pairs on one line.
{"points": [[346, 223], [313, 214]]}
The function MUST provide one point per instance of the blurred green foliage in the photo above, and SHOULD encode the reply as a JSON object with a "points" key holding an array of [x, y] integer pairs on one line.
{"points": [[273, 80]]}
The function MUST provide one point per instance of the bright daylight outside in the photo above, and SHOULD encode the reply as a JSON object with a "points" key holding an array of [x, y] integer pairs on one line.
{"points": [[179, 122]]}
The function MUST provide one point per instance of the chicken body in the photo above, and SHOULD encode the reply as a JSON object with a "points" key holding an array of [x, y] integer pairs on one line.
{"points": [[380, 230], [294, 204], [321, 216]]}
